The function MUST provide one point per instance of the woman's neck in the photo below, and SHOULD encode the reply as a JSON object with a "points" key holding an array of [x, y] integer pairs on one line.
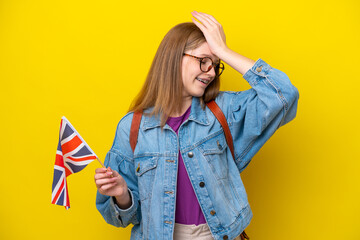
{"points": [[186, 104]]}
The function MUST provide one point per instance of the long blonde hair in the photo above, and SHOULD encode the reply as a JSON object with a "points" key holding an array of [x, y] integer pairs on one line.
{"points": [[163, 86]]}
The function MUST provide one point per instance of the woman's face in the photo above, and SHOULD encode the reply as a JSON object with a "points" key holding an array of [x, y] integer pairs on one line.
{"points": [[191, 73]]}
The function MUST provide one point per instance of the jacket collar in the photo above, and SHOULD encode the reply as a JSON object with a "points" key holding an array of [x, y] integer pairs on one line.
{"points": [[197, 114]]}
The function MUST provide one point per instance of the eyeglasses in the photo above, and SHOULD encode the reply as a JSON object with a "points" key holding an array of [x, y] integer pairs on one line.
{"points": [[206, 64]]}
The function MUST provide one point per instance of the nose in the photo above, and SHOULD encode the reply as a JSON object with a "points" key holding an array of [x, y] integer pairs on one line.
{"points": [[212, 72]]}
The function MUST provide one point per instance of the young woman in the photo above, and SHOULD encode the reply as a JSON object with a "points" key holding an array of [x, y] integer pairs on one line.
{"points": [[181, 181]]}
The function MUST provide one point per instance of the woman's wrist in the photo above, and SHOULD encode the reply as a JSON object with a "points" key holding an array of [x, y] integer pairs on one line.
{"points": [[124, 201], [239, 62]]}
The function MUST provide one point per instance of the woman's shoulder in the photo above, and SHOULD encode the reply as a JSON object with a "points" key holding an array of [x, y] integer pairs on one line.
{"points": [[124, 124], [126, 119], [122, 136]]}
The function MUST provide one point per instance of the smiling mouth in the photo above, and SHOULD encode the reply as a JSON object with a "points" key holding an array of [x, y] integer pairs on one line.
{"points": [[203, 80]]}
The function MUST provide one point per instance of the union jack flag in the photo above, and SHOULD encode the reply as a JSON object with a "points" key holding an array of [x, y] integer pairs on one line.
{"points": [[72, 155]]}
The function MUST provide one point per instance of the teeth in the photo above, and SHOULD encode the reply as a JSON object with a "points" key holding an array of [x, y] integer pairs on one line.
{"points": [[203, 80]]}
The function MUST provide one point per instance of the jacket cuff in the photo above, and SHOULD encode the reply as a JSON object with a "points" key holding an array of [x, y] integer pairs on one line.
{"points": [[257, 72], [124, 215]]}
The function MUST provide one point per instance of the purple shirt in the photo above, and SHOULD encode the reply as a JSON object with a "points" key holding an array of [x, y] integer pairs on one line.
{"points": [[188, 210]]}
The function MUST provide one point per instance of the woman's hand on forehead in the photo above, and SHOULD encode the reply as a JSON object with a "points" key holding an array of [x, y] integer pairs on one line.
{"points": [[212, 30]]}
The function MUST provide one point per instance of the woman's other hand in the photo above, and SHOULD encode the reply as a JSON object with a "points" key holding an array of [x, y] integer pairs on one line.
{"points": [[215, 37], [111, 183], [212, 30]]}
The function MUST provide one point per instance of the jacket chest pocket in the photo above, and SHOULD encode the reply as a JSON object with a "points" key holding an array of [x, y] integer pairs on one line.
{"points": [[145, 169], [214, 151]]}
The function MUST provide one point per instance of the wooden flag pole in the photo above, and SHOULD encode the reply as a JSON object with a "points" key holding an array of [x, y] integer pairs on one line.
{"points": [[100, 162]]}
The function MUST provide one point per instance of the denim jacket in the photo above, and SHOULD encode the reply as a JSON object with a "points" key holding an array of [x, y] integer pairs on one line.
{"points": [[151, 171]]}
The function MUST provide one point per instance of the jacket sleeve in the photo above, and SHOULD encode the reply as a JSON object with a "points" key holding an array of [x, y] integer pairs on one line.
{"points": [[255, 114], [120, 159]]}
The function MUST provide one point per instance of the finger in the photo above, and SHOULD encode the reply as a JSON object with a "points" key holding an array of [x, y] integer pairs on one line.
{"points": [[212, 18], [107, 186], [102, 175], [114, 173], [103, 181], [208, 17], [203, 19], [199, 25], [100, 170]]}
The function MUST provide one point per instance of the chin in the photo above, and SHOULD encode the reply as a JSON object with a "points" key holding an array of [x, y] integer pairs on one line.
{"points": [[198, 94]]}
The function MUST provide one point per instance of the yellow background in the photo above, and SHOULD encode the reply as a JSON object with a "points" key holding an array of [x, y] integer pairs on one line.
{"points": [[86, 60]]}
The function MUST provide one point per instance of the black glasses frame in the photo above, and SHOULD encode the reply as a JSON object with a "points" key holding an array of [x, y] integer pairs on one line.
{"points": [[217, 67]]}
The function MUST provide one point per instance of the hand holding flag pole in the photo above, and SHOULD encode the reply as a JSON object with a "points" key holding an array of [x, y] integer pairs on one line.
{"points": [[73, 154]]}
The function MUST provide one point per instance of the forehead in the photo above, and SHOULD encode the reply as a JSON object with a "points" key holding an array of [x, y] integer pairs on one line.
{"points": [[204, 51]]}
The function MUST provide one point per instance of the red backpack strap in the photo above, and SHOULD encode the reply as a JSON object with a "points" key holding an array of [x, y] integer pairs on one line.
{"points": [[134, 130], [215, 109]]}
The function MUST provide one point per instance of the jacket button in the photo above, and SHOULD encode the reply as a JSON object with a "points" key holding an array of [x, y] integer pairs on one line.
{"points": [[258, 69], [212, 212], [190, 154], [201, 184], [225, 237], [219, 145]]}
